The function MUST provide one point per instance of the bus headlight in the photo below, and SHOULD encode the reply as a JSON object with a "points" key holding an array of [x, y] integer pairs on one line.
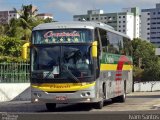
{"points": [[37, 95], [83, 94], [88, 93]]}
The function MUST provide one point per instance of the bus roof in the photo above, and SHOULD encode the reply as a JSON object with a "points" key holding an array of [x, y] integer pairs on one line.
{"points": [[77, 24]]}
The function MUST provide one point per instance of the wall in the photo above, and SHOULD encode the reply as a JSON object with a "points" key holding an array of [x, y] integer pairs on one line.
{"points": [[15, 91], [147, 86]]}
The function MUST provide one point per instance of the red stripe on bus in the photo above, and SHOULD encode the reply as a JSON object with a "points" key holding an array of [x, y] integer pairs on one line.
{"points": [[118, 74], [118, 78]]}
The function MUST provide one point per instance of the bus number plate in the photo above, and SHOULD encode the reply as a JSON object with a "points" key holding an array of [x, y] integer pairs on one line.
{"points": [[61, 98]]}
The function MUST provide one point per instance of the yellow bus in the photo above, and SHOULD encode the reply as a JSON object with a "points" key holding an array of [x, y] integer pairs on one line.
{"points": [[79, 62]]}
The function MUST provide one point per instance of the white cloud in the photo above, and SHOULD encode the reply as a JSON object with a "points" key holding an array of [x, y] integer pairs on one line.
{"points": [[81, 6], [70, 6]]}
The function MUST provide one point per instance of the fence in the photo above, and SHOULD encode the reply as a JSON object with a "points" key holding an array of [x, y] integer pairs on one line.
{"points": [[14, 72]]}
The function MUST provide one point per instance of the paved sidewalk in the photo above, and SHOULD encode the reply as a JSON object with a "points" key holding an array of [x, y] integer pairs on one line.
{"points": [[144, 94]]}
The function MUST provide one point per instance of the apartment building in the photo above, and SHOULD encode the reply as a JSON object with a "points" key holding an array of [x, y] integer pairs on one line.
{"points": [[127, 21], [6, 16], [150, 25]]}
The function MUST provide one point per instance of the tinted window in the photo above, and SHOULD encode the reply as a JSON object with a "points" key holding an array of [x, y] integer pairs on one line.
{"points": [[115, 43], [127, 46]]}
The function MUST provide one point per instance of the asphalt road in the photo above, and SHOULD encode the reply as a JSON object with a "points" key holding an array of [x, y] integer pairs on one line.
{"points": [[138, 106], [140, 101]]}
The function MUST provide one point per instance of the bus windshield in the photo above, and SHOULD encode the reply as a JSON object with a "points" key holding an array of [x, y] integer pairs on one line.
{"points": [[62, 61], [62, 36]]}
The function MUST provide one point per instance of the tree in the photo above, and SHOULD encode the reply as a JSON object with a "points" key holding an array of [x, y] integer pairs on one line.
{"points": [[27, 18], [146, 63], [143, 53], [152, 73], [14, 29], [10, 46], [48, 20]]}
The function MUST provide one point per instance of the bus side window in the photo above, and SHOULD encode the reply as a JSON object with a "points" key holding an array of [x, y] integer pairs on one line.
{"points": [[127, 46], [115, 43], [103, 34]]}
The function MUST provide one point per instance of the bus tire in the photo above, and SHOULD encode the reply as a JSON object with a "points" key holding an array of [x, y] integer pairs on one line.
{"points": [[99, 105], [50, 106], [122, 98]]}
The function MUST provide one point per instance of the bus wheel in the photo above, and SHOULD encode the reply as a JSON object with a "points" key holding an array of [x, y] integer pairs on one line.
{"points": [[122, 98], [50, 106], [99, 105]]}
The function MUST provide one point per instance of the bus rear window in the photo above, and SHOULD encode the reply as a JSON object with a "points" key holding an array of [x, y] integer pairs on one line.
{"points": [[62, 36]]}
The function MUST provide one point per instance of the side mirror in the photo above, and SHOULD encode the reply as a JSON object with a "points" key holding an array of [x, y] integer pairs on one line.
{"points": [[24, 50], [94, 49]]}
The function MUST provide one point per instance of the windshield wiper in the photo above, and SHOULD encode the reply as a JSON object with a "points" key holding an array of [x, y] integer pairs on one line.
{"points": [[70, 73]]}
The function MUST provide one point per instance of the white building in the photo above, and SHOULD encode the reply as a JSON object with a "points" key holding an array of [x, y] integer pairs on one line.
{"points": [[136, 20], [45, 16], [126, 24], [6, 16], [13, 14], [127, 21]]}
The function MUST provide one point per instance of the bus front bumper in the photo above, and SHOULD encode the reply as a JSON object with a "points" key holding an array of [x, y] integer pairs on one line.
{"points": [[83, 96]]}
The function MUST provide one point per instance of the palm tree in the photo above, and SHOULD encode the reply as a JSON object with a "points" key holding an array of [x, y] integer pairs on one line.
{"points": [[27, 18], [2, 29]]}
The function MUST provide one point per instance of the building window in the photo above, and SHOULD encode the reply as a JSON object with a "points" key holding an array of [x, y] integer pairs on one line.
{"points": [[148, 33], [154, 18], [148, 19], [124, 26], [96, 18], [105, 18], [109, 18], [119, 30], [153, 23], [123, 16], [124, 31], [148, 28], [148, 23], [154, 13], [88, 19], [92, 18], [148, 13], [119, 26], [119, 16], [153, 27], [119, 21], [123, 21]]}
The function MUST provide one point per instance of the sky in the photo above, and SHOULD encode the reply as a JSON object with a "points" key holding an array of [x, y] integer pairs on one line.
{"points": [[63, 10]]}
